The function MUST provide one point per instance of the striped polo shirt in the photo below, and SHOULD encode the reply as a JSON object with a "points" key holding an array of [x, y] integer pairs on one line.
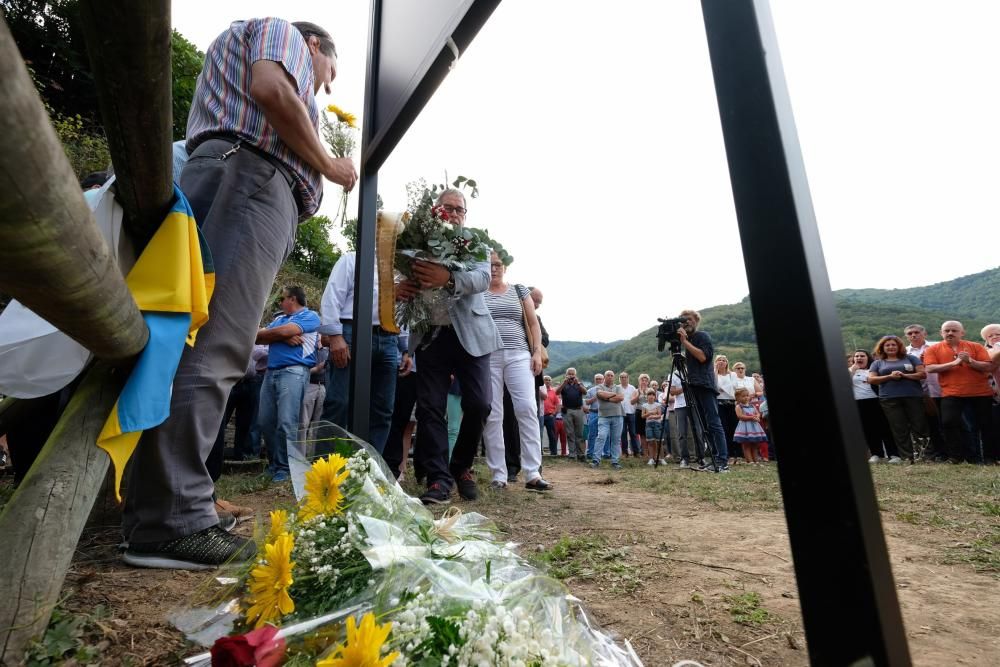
{"points": [[222, 101]]}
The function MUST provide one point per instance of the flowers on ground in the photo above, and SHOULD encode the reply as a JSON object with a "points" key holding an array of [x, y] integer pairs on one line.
{"points": [[323, 494], [363, 647], [279, 525], [269, 583]]}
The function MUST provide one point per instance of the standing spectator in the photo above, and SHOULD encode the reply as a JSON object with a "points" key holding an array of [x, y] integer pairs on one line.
{"points": [[629, 443], [312, 402], [338, 323], [571, 392], [741, 379], [682, 423], [962, 368], [259, 359], [653, 422], [609, 420], [550, 403], [917, 335], [590, 406], [701, 380], [460, 339], [878, 436], [515, 365], [991, 337], [749, 433], [256, 167], [724, 379], [291, 353], [640, 421], [898, 376]]}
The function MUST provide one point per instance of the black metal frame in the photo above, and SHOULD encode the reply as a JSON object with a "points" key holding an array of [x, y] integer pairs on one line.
{"points": [[840, 556]]}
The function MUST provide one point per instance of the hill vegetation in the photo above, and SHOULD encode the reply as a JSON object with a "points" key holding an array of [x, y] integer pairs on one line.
{"points": [[562, 352], [865, 316]]}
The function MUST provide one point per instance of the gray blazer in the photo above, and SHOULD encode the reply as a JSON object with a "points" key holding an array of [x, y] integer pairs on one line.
{"points": [[468, 312]]}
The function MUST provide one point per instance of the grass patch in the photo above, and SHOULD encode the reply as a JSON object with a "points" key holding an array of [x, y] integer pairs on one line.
{"points": [[592, 559], [746, 609], [232, 485]]}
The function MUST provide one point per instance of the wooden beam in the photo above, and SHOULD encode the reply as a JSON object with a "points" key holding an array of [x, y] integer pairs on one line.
{"points": [[128, 44], [53, 258], [43, 520]]}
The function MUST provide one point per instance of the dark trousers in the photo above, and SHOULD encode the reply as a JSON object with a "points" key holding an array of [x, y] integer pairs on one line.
{"points": [[406, 398], [878, 435], [629, 442], [709, 406], [511, 436], [980, 411], [908, 423], [727, 414], [550, 432], [437, 361], [242, 401]]}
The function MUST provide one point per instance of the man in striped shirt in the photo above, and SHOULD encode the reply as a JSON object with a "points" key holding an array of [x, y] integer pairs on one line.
{"points": [[256, 167]]}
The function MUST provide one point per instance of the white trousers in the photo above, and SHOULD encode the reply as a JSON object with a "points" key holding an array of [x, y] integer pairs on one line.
{"points": [[513, 368]]}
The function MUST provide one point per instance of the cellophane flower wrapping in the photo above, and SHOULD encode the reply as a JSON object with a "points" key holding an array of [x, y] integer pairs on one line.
{"points": [[451, 591]]}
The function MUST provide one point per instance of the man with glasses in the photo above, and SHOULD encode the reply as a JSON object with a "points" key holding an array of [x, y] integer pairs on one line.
{"points": [[460, 337]]}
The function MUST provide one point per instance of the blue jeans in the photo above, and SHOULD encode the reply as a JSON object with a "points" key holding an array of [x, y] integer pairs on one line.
{"points": [[628, 429], [610, 427], [549, 421], [706, 399], [385, 367], [591, 434], [278, 412]]}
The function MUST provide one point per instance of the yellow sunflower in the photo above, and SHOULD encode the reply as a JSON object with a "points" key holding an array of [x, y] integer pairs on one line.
{"points": [[269, 583], [348, 119], [279, 525], [323, 482], [363, 647]]}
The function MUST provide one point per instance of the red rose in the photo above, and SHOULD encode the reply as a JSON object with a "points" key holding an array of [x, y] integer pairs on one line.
{"points": [[258, 648]]}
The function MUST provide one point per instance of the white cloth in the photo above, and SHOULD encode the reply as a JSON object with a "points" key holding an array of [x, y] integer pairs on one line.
{"points": [[513, 368], [746, 383], [931, 384], [36, 359], [725, 385], [675, 383], [862, 390], [338, 297], [627, 404]]}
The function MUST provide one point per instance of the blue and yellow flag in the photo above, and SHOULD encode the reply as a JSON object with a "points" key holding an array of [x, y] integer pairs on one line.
{"points": [[172, 282]]}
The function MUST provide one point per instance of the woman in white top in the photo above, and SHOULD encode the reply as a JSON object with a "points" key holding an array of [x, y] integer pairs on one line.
{"points": [[724, 380], [741, 380], [878, 436], [516, 366]]}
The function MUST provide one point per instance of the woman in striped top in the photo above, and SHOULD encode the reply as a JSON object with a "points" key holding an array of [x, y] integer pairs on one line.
{"points": [[516, 366]]}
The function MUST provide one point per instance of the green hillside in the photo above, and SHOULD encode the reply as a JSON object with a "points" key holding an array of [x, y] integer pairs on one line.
{"points": [[865, 316], [974, 296], [562, 352]]}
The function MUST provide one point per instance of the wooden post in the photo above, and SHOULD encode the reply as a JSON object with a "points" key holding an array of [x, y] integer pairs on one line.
{"points": [[43, 520], [129, 47], [53, 258]]}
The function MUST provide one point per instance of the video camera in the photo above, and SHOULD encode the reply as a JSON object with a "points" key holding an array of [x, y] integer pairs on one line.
{"points": [[667, 332]]}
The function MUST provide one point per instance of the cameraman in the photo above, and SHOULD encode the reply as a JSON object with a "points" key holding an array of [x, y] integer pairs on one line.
{"points": [[701, 378], [572, 392]]}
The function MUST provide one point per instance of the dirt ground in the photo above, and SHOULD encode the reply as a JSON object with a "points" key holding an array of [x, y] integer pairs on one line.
{"points": [[678, 563]]}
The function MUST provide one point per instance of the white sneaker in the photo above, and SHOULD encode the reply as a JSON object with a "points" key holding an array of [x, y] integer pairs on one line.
{"points": [[874, 459], [663, 462], [683, 464], [895, 459], [650, 462]]}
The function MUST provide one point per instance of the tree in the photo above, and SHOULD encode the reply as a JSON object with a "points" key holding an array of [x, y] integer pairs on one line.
{"points": [[186, 62], [313, 251]]}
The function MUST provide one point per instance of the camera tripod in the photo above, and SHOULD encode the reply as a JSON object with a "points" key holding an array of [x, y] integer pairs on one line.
{"points": [[703, 445]]}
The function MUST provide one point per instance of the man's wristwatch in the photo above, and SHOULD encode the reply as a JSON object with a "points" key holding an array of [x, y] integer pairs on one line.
{"points": [[450, 285]]}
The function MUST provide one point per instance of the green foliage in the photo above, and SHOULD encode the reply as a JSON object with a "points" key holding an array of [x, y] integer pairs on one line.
{"points": [[745, 608], [431, 651], [186, 62], [562, 352], [86, 147], [313, 252], [66, 640], [970, 297]]}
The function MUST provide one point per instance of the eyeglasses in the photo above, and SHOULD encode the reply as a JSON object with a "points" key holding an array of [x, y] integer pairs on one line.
{"points": [[496, 265], [455, 209]]}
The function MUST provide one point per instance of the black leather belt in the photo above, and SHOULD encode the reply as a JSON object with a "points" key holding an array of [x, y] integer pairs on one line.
{"points": [[242, 144], [376, 329]]}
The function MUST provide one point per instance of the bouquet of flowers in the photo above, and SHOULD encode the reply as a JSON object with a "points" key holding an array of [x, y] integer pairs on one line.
{"points": [[430, 234], [359, 573], [340, 137]]}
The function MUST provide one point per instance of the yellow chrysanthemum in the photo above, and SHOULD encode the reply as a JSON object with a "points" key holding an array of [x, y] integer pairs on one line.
{"points": [[279, 525], [348, 119], [363, 647], [323, 482], [269, 583]]}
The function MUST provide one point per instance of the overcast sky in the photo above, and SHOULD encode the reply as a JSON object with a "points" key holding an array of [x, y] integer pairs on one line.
{"points": [[593, 131]]}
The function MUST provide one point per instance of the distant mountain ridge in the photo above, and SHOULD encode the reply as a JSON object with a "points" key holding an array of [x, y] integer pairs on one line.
{"points": [[562, 352], [865, 315]]}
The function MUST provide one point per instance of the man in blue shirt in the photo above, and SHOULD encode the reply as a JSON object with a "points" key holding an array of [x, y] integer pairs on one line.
{"points": [[699, 351], [290, 356]]}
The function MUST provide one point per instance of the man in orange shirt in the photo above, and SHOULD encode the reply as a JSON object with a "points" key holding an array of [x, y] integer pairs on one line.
{"points": [[962, 368]]}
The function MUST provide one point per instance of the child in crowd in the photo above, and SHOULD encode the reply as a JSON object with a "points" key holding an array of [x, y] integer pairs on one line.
{"points": [[652, 412], [749, 433]]}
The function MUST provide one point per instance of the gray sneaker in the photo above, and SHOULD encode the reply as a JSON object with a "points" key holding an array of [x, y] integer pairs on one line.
{"points": [[204, 550], [683, 465]]}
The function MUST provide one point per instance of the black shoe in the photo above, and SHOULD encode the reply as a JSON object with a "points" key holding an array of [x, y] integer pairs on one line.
{"points": [[203, 550], [436, 494], [466, 484], [512, 479], [538, 484]]}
